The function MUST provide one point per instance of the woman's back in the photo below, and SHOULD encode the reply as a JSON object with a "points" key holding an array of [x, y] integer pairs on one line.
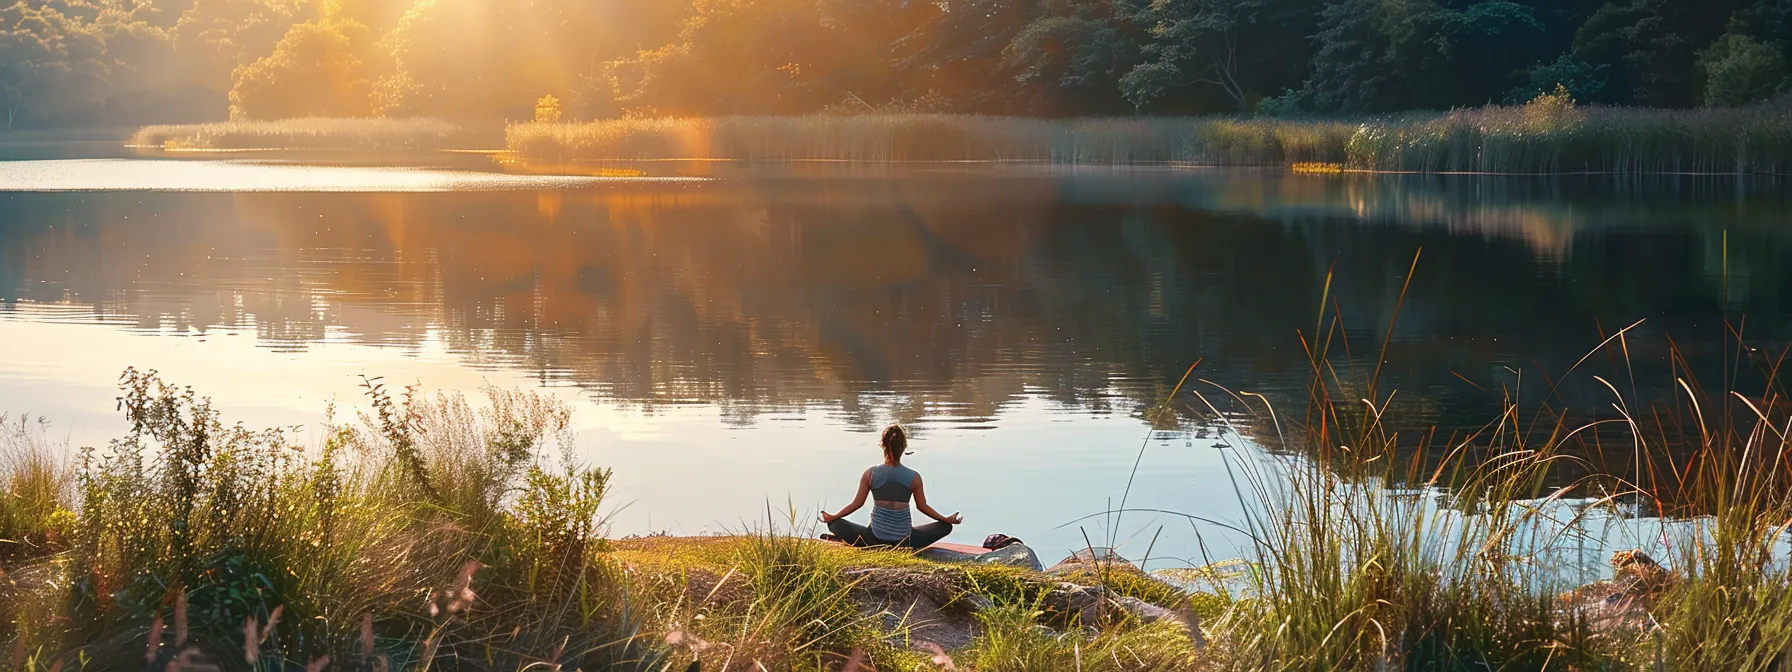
{"points": [[892, 485]]}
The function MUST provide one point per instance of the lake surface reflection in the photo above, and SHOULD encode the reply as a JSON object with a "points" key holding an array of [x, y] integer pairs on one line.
{"points": [[734, 342]]}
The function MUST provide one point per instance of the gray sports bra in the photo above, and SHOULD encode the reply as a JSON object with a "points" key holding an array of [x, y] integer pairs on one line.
{"points": [[892, 484], [892, 487]]}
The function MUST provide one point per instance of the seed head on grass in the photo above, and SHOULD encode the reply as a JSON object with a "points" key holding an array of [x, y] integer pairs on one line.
{"points": [[155, 641]]}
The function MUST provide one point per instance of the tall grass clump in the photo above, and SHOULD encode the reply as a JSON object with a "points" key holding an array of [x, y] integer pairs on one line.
{"points": [[1379, 549], [36, 522], [769, 599], [346, 134], [1359, 567], [1354, 574], [801, 615], [1732, 607], [803, 607], [35, 515], [427, 533], [1013, 640]]}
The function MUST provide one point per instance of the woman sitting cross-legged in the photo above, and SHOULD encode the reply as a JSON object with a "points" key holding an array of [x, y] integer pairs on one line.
{"points": [[891, 485]]}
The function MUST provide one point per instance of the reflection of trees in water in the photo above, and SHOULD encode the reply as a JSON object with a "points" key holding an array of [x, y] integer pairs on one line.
{"points": [[947, 297]]}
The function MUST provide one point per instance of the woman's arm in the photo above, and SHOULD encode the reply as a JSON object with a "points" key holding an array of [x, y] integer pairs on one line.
{"points": [[857, 500], [921, 503]]}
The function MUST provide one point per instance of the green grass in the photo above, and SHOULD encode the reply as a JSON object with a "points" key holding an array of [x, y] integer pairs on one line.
{"points": [[1550, 135], [781, 600], [359, 135], [1014, 641]]}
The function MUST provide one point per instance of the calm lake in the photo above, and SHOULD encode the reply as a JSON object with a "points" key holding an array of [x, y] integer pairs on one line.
{"points": [[731, 345]]}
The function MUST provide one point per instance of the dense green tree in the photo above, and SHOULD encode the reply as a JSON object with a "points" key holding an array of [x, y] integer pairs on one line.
{"points": [[1652, 46], [213, 37], [1385, 55], [147, 84], [1075, 53], [378, 16], [1583, 81], [493, 59], [1192, 42], [1765, 20], [959, 53], [51, 65], [736, 57], [1205, 51], [320, 69], [1490, 42], [1379, 55], [866, 67], [1738, 70], [459, 58]]}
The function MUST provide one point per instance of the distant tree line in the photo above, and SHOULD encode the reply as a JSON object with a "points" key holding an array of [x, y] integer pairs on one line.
{"points": [[133, 61]]}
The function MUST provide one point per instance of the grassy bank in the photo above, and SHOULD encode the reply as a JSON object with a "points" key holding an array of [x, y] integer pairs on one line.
{"points": [[1550, 135], [438, 533], [312, 134]]}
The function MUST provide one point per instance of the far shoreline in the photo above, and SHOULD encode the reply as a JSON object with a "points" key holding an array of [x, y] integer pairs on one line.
{"points": [[1550, 136]]}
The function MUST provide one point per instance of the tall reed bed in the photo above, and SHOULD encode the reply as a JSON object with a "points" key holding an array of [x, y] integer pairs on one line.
{"points": [[934, 137], [308, 134], [35, 513], [1549, 135], [1377, 549]]}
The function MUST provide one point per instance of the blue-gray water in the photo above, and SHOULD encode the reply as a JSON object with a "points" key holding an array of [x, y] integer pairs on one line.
{"points": [[735, 342]]}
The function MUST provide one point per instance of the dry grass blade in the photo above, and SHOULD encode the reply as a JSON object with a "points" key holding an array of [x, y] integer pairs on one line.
{"points": [[367, 635]]}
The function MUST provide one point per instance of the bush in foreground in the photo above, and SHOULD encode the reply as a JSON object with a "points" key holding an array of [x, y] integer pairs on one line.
{"points": [[371, 550]]}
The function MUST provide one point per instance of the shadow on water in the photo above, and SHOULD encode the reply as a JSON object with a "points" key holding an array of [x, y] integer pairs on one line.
{"points": [[956, 288]]}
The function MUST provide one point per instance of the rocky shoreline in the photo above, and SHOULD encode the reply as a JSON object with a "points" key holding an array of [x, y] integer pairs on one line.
{"points": [[931, 601]]}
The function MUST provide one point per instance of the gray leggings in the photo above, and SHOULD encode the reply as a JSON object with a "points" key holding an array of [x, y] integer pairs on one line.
{"points": [[858, 535]]}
